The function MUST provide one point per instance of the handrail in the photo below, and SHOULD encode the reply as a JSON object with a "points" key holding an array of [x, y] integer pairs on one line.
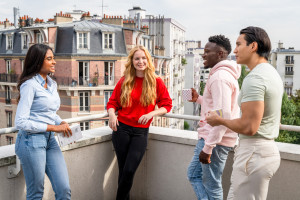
{"points": [[186, 117]]}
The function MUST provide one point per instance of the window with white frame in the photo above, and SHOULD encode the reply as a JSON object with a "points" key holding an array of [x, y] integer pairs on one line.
{"points": [[84, 101], [107, 95], [108, 39], [9, 118], [289, 68], [9, 42], [22, 65], [84, 126], [25, 41], [288, 91], [289, 59], [83, 73], [109, 73], [8, 66], [9, 140], [82, 40], [39, 38], [7, 95]]}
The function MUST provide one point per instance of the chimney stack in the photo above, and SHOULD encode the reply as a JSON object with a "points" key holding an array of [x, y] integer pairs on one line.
{"points": [[1, 25], [116, 20], [6, 23], [61, 18], [86, 16]]}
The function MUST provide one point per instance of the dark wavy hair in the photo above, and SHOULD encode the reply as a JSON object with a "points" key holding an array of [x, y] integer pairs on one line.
{"points": [[260, 36], [34, 60], [222, 41]]}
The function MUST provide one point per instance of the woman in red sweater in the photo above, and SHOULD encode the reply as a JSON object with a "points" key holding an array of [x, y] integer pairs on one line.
{"points": [[135, 97]]}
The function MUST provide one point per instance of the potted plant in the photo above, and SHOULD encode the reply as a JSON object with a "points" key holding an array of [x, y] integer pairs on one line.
{"points": [[95, 79]]}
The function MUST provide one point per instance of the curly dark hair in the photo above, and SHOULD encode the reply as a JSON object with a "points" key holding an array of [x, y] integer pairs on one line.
{"points": [[222, 41]]}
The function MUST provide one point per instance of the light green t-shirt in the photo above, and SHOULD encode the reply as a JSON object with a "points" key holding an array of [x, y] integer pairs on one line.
{"points": [[263, 83]]}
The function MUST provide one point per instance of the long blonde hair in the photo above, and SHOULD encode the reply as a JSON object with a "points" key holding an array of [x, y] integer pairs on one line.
{"points": [[149, 83]]}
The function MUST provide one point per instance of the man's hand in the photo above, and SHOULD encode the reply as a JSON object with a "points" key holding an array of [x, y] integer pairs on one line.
{"points": [[195, 95], [204, 158], [213, 119]]}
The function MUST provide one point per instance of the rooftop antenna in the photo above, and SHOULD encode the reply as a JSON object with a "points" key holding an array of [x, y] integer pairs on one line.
{"points": [[102, 8]]}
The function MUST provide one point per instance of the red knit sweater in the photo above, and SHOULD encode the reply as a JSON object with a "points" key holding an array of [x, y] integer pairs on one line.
{"points": [[130, 115]]}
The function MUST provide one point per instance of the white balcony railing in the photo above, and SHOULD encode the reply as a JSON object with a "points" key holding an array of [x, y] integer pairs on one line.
{"points": [[92, 166]]}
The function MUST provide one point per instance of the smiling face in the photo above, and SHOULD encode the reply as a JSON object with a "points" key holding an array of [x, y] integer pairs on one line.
{"points": [[139, 62], [242, 51], [48, 64], [211, 55]]}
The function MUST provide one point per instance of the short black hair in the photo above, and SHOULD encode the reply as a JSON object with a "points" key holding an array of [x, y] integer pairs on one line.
{"points": [[259, 35], [222, 41]]}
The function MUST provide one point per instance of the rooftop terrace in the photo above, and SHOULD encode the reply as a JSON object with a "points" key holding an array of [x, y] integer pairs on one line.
{"points": [[93, 169]]}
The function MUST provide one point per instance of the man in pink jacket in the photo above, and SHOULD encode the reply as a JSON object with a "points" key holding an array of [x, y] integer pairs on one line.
{"points": [[220, 93]]}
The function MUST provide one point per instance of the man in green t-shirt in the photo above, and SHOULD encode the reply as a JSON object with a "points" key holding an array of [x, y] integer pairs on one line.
{"points": [[256, 157]]}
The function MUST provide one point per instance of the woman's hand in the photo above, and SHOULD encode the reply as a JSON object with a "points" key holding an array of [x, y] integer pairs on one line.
{"points": [[144, 119], [113, 121], [62, 128]]}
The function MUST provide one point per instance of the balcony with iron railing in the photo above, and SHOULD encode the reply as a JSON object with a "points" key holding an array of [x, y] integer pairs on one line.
{"points": [[289, 62], [288, 84], [69, 81], [7, 101], [93, 168], [86, 81], [9, 78], [289, 72]]}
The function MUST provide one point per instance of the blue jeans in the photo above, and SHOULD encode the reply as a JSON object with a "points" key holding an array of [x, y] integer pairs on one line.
{"points": [[206, 179], [40, 153]]}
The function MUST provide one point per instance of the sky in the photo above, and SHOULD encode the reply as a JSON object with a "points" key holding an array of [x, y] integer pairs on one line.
{"points": [[201, 18]]}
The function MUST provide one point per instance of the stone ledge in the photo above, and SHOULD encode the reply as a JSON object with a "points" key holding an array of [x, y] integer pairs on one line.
{"points": [[103, 134]]}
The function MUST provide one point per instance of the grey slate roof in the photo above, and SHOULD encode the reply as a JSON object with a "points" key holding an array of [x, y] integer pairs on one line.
{"points": [[16, 41], [66, 42]]}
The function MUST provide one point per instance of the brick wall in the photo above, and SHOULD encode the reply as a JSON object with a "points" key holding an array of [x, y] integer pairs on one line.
{"points": [[128, 37], [52, 36]]}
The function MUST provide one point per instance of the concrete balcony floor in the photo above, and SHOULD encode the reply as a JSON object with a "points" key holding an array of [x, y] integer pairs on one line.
{"points": [[93, 169]]}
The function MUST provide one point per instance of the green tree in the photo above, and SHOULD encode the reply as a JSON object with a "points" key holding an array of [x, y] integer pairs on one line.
{"points": [[244, 73], [296, 100], [186, 125], [202, 86], [289, 117], [183, 61]]}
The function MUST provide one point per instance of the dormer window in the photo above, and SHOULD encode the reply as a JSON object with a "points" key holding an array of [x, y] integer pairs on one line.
{"points": [[39, 38], [8, 66], [9, 42], [25, 42], [83, 39], [108, 41]]}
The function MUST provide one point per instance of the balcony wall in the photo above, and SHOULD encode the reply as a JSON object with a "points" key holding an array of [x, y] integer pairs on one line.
{"points": [[93, 170]]}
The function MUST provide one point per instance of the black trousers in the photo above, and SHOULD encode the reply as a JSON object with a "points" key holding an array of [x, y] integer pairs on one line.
{"points": [[130, 145]]}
